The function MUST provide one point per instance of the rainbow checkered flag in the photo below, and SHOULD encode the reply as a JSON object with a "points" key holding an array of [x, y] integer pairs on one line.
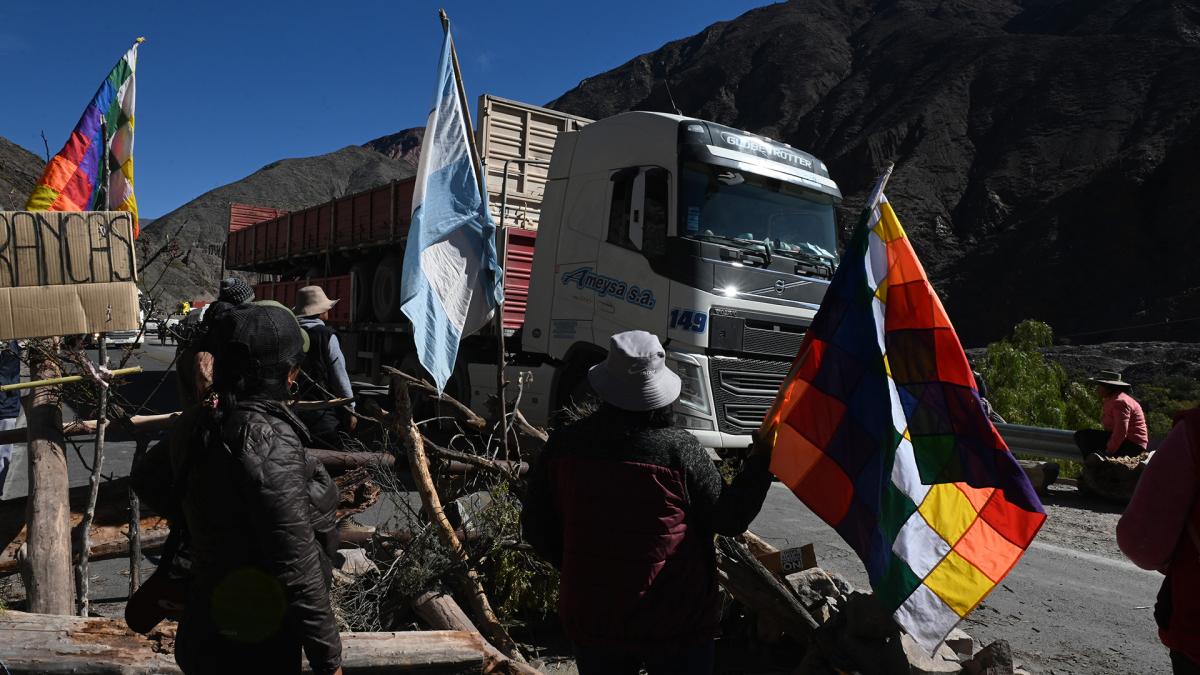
{"points": [[94, 169], [880, 430]]}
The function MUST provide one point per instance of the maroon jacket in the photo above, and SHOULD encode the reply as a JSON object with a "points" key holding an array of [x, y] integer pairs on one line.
{"points": [[628, 514], [1160, 530]]}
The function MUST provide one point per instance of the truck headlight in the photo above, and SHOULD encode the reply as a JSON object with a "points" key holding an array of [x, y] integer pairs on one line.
{"points": [[689, 422], [693, 394]]}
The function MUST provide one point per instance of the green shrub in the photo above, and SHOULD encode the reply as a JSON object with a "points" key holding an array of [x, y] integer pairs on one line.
{"points": [[1025, 388]]}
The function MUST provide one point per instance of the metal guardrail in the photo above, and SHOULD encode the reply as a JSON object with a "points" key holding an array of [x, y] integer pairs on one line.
{"points": [[1040, 441]]}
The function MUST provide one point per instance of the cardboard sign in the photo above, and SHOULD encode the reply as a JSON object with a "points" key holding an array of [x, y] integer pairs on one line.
{"points": [[66, 273], [790, 560]]}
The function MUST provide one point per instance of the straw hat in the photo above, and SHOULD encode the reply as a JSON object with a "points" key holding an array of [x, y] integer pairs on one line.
{"points": [[1110, 378], [635, 376], [312, 301]]}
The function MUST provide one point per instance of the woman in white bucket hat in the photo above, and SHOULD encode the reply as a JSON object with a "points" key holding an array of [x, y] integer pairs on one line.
{"points": [[625, 506]]}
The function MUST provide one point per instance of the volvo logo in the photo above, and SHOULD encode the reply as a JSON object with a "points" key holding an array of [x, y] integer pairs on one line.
{"points": [[780, 285]]}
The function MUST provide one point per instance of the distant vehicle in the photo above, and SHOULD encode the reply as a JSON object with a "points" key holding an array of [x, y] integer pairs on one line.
{"points": [[135, 337], [151, 325]]}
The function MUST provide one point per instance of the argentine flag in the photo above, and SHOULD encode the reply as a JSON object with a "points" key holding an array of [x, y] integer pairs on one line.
{"points": [[452, 281]]}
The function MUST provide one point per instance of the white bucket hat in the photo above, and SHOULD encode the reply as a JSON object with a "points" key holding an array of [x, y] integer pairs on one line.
{"points": [[635, 376], [312, 301]]}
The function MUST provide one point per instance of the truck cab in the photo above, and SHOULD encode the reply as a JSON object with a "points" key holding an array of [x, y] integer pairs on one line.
{"points": [[718, 241]]}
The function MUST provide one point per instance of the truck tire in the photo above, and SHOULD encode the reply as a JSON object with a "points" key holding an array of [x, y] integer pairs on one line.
{"points": [[361, 274], [385, 289]]}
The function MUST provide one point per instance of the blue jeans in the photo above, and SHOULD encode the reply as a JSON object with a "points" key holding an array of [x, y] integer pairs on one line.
{"points": [[697, 660], [6, 424]]}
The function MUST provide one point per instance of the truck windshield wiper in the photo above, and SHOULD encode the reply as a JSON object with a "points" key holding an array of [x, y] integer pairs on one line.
{"points": [[740, 243]]}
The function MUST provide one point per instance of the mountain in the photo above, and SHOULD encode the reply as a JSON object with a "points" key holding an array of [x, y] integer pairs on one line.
{"points": [[290, 184], [1043, 148], [404, 146], [19, 172]]}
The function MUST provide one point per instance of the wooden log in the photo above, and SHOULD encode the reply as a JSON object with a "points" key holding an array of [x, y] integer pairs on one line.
{"points": [[467, 579], [756, 587], [109, 534], [40, 643], [48, 558], [440, 611], [147, 423]]}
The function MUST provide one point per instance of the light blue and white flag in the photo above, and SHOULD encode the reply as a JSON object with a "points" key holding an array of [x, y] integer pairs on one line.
{"points": [[452, 280]]}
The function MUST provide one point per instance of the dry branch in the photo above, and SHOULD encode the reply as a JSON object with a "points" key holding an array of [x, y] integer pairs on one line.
{"points": [[467, 579], [470, 418], [755, 586]]}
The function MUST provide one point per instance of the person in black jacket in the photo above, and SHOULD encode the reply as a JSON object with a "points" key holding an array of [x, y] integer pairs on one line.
{"points": [[625, 505], [259, 592]]}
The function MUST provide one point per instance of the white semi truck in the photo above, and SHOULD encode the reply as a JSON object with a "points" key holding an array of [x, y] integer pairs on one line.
{"points": [[719, 241]]}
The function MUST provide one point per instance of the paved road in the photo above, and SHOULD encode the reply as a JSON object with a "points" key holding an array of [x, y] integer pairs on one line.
{"points": [[1062, 609], [1072, 605]]}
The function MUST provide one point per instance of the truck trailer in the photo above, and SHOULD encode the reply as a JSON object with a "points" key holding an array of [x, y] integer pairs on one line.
{"points": [[718, 241]]}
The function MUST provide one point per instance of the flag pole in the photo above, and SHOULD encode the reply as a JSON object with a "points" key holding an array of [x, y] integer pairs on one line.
{"points": [[767, 428], [501, 352]]}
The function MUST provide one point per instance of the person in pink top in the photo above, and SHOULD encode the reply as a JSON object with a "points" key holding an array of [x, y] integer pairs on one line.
{"points": [[1160, 530], [1124, 433]]}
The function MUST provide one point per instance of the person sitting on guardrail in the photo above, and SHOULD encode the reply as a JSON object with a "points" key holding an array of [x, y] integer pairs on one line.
{"points": [[1160, 530], [1124, 433], [625, 505]]}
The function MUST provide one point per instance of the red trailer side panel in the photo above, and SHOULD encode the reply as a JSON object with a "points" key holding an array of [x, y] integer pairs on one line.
{"points": [[242, 216], [518, 265]]}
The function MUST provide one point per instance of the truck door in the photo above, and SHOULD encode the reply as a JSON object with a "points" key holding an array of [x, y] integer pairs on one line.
{"points": [[631, 295]]}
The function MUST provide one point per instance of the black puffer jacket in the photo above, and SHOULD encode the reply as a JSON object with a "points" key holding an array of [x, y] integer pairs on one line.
{"points": [[257, 558]]}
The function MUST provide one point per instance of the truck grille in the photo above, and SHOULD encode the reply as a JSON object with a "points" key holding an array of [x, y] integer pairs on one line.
{"points": [[743, 390], [773, 342]]}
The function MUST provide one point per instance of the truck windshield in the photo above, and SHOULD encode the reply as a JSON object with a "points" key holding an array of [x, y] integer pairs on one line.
{"points": [[745, 208]]}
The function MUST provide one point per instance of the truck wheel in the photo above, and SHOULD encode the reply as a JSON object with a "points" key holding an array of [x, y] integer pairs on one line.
{"points": [[385, 289], [360, 291]]}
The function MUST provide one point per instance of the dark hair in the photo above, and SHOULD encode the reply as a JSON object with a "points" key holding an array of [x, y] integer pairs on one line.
{"points": [[659, 418]]}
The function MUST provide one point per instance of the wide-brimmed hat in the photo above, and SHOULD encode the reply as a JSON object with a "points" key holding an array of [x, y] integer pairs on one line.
{"points": [[635, 376], [1111, 378], [311, 301]]}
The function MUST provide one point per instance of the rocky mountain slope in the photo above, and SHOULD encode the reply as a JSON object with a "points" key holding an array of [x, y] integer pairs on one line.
{"points": [[19, 172], [290, 184], [1043, 148]]}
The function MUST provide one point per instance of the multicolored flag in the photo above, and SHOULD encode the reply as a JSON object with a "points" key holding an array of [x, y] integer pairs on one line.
{"points": [[452, 281], [94, 170], [880, 430]]}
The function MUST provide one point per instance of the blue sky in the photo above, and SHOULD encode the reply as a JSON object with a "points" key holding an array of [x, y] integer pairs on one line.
{"points": [[227, 87]]}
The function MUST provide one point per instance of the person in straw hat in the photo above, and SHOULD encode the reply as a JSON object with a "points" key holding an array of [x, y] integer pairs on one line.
{"points": [[625, 505], [324, 370], [1124, 433]]}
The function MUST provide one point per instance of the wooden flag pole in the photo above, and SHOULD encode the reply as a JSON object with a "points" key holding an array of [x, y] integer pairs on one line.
{"points": [[480, 171]]}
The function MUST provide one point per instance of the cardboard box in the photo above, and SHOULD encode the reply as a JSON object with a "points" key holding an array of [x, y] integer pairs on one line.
{"points": [[67, 273], [790, 560]]}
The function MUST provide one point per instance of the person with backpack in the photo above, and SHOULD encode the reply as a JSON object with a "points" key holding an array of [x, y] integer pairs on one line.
{"points": [[1160, 530], [323, 373], [625, 505]]}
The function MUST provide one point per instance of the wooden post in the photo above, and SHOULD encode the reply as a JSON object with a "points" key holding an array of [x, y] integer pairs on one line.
{"points": [[48, 514], [89, 513], [467, 580]]}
